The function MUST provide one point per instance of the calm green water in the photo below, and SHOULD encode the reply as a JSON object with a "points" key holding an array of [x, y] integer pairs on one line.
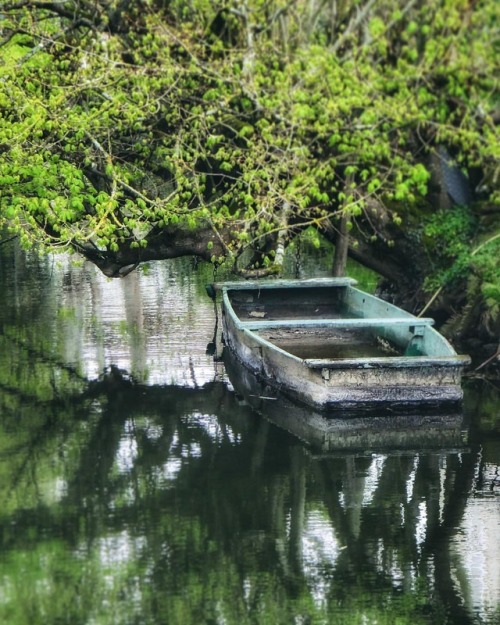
{"points": [[137, 488]]}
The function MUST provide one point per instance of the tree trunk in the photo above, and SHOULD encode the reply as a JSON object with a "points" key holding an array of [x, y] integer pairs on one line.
{"points": [[341, 248]]}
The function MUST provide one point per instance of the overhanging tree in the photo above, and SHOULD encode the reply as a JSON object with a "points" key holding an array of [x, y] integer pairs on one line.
{"points": [[138, 129]]}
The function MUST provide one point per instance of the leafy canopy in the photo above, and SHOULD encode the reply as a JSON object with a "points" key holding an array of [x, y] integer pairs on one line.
{"points": [[124, 120]]}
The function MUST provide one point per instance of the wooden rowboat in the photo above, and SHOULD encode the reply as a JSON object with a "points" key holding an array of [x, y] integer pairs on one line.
{"points": [[334, 347]]}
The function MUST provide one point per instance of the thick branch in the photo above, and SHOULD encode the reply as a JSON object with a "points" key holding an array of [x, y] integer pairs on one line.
{"points": [[385, 266], [172, 242]]}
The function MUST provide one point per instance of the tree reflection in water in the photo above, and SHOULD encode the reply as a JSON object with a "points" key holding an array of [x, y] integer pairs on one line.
{"points": [[126, 502]]}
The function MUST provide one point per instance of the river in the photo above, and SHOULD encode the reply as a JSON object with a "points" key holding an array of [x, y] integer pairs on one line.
{"points": [[137, 487]]}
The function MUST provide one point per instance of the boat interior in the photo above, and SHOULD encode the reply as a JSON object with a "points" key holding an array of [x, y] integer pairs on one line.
{"points": [[331, 344], [335, 323], [286, 303]]}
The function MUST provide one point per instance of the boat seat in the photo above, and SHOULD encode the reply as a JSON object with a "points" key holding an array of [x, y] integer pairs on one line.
{"points": [[398, 362], [263, 324]]}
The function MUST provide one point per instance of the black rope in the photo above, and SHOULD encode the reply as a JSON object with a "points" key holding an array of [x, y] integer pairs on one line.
{"points": [[212, 346]]}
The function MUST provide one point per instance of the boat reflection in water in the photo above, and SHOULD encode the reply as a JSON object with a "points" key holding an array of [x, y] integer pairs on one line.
{"points": [[347, 430]]}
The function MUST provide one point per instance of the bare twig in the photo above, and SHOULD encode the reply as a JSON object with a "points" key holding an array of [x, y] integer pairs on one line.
{"points": [[430, 302], [353, 24], [489, 360], [4, 241]]}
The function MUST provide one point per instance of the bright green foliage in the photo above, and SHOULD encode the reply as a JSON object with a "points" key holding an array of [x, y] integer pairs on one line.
{"points": [[448, 235], [126, 119]]}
